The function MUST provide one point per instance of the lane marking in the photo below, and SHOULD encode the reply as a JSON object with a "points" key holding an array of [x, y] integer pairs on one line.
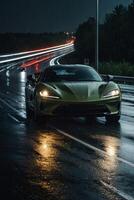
{"points": [[13, 100], [2, 70], [9, 67], [12, 108], [52, 62], [115, 190], [14, 118], [10, 100], [55, 59], [89, 146]]}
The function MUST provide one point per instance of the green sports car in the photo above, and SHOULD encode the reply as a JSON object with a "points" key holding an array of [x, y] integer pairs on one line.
{"points": [[72, 90]]}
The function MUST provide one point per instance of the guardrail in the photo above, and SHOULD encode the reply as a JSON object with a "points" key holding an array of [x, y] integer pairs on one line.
{"points": [[122, 79]]}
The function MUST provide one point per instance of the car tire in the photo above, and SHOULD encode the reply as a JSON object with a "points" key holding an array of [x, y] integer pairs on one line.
{"points": [[113, 118]]}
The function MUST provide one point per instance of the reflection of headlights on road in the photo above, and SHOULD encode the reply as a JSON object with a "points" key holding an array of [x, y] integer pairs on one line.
{"points": [[45, 94], [111, 151], [113, 93]]}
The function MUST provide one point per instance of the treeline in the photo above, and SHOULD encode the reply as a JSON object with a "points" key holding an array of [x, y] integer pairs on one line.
{"points": [[15, 42], [116, 36]]}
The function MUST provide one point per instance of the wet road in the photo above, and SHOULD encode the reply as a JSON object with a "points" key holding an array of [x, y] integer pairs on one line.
{"points": [[67, 158]]}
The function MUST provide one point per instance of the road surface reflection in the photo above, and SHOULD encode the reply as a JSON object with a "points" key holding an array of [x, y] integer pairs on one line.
{"points": [[46, 147]]}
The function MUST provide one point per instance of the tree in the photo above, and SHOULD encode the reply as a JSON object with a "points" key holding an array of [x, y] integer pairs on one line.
{"points": [[114, 30], [85, 40], [116, 36]]}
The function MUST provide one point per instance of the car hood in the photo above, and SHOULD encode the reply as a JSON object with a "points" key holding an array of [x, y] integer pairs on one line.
{"points": [[80, 91]]}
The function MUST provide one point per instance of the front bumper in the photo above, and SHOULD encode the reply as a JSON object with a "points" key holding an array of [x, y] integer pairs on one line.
{"points": [[62, 108]]}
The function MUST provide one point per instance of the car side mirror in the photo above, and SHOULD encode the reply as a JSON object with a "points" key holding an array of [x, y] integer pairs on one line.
{"points": [[22, 69], [33, 78], [109, 78], [30, 78]]}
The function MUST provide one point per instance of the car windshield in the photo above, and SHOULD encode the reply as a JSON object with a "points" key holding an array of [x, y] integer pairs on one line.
{"points": [[59, 74]]}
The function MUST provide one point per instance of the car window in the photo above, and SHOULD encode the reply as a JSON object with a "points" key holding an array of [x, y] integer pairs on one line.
{"points": [[71, 74]]}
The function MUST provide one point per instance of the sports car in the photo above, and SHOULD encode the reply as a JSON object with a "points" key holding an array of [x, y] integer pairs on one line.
{"points": [[72, 91]]}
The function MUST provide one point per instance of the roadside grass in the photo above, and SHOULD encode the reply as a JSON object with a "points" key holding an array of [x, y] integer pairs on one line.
{"points": [[121, 69]]}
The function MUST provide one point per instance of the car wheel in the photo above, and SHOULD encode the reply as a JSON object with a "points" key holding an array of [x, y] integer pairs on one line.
{"points": [[113, 118]]}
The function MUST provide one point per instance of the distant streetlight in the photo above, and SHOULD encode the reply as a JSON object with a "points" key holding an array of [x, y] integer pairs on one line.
{"points": [[97, 35]]}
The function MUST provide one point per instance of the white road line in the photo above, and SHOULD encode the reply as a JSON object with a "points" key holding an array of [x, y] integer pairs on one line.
{"points": [[8, 67], [14, 118], [7, 104], [52, 62], [103, 153], [2, 70], [12, 108], [115, 190], [11, 99]]}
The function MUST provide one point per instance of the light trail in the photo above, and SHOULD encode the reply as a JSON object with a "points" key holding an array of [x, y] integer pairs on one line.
{"points": [[37, 54], [33, 62], [34, 51]]}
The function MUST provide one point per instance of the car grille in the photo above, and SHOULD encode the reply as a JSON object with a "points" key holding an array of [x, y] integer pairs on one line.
{"points": [[80, 109]]}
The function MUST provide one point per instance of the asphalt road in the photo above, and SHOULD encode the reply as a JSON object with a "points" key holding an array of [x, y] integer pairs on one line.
{"points": [[66, 159]]}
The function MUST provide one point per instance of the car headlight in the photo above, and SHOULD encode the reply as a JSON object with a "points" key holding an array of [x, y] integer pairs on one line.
{"points": [[113, 93], [45, 94]]}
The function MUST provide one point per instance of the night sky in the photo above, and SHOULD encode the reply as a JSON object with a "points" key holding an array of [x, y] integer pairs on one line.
{"points": [[50, 15]]}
